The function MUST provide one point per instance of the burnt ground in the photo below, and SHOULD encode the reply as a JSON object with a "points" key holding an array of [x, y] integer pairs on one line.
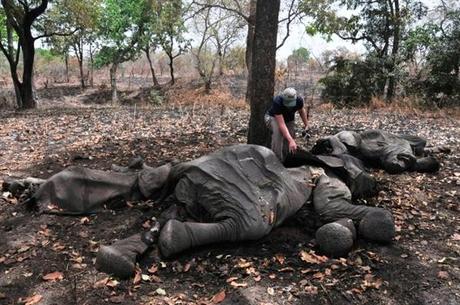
{"points": [[49, 259]]}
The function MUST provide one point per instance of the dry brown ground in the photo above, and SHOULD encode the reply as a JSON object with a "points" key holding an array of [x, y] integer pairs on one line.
{"points": [[48, 259]]}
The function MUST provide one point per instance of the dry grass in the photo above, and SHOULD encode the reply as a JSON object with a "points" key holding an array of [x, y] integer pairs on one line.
{"points": [[197, 97], [408, 105]]}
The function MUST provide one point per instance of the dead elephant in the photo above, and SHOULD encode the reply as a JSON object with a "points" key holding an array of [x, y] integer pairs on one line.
{"points": [[378, 148], [238, 193]]}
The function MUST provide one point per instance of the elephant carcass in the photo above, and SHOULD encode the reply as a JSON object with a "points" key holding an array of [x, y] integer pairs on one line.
{"points": [[393, 153]]}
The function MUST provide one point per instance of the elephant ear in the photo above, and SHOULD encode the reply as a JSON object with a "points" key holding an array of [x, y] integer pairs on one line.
{"points": [[152, 180], [331, 161], [303, 157]]}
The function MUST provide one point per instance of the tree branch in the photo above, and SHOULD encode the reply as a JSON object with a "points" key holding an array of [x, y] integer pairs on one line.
{"points": [[45, 35], [291, 16], [34, 13], [204, 6]]}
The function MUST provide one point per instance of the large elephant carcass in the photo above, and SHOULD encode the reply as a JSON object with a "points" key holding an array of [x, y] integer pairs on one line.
{"points": [[238, 193]]}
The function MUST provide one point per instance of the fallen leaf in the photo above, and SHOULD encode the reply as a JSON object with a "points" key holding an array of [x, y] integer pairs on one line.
{"points": [[218, 297], [244, 264], [371, 282], [153, 269], [112, 283], [101, 283], [456, 237], [32, 300], [137, 277], [53, 276], [280, 258], [311, 290], [236, 284], [160, 291], [444, 275], [312, 258], [23, 249], [231, 279], [187, 267]]}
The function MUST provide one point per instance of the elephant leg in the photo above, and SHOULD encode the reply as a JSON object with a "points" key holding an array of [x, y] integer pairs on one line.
{"points": [[120, 258], [178, 236], [336, 238], [332, 201]]}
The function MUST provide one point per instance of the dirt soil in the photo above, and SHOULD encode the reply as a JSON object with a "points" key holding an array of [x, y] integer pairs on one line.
{"points": [[49, 259]]}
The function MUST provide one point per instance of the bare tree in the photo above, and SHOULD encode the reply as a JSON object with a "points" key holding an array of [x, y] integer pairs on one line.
{"points": [[246, 10], [219, 30], [263, 69]]}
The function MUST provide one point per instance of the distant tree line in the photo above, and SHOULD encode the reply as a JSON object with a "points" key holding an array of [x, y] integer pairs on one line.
{"points": [[411, 51]]}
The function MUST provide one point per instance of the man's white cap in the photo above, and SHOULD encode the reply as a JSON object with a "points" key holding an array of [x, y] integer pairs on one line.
{"points": [[290, 93]]}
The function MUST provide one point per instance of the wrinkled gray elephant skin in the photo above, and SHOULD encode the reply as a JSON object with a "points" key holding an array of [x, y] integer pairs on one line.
{"points": [[238, 193], [393, 153]]}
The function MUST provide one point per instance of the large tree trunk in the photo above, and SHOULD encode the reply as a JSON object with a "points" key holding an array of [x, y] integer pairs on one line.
{"points": [[171, 68], [262, 71], [152, 70], [113, 82], [394, 52], [66, 60], [91, 66], [13, 65], [28, 56], [249, 44]]}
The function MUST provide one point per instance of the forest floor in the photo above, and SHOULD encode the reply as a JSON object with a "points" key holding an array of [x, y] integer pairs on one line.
{"points": [[49, 259]]}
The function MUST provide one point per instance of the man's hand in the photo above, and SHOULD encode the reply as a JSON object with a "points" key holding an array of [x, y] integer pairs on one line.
{"points": [[292, 146], [306, 133]]}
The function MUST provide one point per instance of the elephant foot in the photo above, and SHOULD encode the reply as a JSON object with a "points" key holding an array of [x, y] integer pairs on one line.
{"points": [[113, 261], [336, 239], [377, 225], [426, 165], [174, 238], [119, 258]]}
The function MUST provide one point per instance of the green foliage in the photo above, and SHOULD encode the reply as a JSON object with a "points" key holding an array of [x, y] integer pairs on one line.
{"points": [[300, 55], [45, 54], [156, 98], [351, 82], [121, 28], [75, 21], [169, 27], [443, 82], [236, 59], [382, 26]]}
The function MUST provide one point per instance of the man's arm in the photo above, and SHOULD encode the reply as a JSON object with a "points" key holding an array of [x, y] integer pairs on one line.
{"points": [[285, 132], [303, 116]]}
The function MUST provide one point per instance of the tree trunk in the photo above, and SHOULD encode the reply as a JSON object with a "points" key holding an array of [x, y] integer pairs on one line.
{"points": [[249, 45], [262, 71], [207, 85], [171, 68], [82, 74], [66, 60], [28, 55], [17, 86], [113, 82], [152, 70], [91, 66], [394, 53], [79, 53]]}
